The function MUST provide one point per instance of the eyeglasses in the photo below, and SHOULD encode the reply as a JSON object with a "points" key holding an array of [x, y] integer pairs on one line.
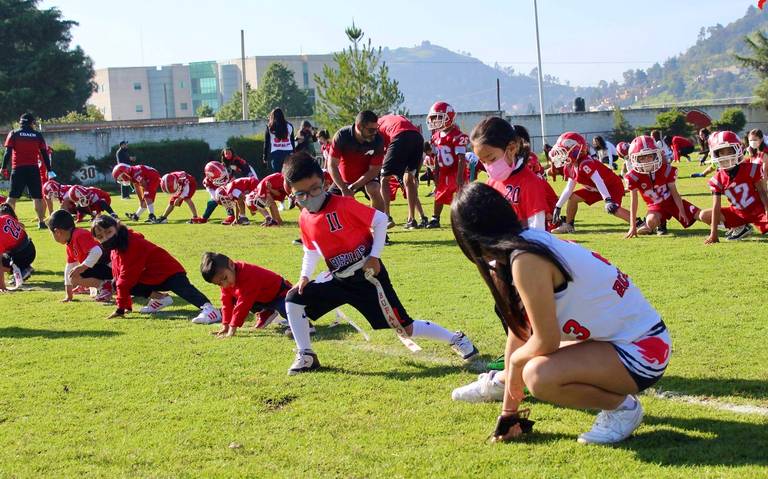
{"points": [[314, 191]]}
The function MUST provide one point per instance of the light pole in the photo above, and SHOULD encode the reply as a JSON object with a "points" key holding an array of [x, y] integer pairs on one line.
{"points": [[541, 77], [242, 74]]}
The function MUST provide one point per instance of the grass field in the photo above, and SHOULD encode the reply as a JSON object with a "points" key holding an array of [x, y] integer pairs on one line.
{"points": [[159, 397]]}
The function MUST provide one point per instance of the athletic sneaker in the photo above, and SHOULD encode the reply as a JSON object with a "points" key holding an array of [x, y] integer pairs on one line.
{"points": [[390, 223], [564, 228], [424, 222], [104, 294], [41, 225], [411, 225], [497, 364], [243, 221], [161, 220], [485, 389], [228, 220], [661, 230], [264, 318], [27, 272], [208, 315], [639, 222], [740, 232], [613, 426], [151, 219], [433, 223], [306, 360], [132, 216], [462, 346], [156, 305]]}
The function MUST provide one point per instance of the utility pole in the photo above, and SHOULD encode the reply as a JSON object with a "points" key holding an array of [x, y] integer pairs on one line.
{"points": [[242, 74], [541, 77], [165, 99], [498, 96]]}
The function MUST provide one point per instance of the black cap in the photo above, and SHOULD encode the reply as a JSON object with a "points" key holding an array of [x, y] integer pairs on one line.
{"points": [[123, 142], [26, 119]]}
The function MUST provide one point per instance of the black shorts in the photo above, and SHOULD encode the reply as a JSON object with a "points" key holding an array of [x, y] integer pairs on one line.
{"points": [[177, 283], [334, 190], [100, 271], [405, 153], [685, 151], [356, 291], [26, 177], [22, 256]]}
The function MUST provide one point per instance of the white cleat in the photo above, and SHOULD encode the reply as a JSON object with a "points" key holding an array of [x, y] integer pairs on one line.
{"points": [[208, 315], [306, 360], [462, 346], [564, 229], [613, 426], [156, 305], [485, 389]]}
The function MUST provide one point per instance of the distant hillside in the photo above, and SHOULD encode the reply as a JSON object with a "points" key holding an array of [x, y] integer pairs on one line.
{"points": [[428, 73]]}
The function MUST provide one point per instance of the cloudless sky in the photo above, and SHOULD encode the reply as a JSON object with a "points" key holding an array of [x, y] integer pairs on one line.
{"points": [[582, 41]]}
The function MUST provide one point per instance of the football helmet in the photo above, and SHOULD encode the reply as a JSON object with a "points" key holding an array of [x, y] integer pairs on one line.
{"points": [[216, 173], [440, 116], [224, 198], [122, 173], [720, 140], [623, 149], [52, 190], [570, 146], [171, 183], [78, 195], [645, 156]]}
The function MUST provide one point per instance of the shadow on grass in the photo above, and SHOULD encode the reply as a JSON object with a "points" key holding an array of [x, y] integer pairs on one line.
{"points": [[716, 387], [396, 240], [23, 333], [682, 442], [430, 371]]}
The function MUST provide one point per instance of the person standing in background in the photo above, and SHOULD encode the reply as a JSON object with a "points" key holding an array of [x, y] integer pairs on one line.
{"points": [[122, 156], [278, 140], [306, 137]]}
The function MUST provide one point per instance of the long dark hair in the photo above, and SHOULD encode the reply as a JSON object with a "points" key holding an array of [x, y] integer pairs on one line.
{"points": [[758, 133], [121, 235], [487, 228], [703, 143], [278, 126]]}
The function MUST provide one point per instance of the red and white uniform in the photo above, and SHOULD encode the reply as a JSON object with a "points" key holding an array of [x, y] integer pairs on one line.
{"points": [[589, 173], [242, 186], [149, 180], [340, 232], [528, 194], [188, 187], [253, 284], [95, 196], [678, 144], [274, 185], [12, 234], [534, 165], [448, 145], [80, 246], [395, 185], [741, 190], [654, 189]]}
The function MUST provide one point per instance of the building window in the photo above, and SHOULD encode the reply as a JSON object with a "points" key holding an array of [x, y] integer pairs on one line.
{"points": [[181, 84], [305, 71], [139, 108], [207, 86], [137, 86], [183, 106]]}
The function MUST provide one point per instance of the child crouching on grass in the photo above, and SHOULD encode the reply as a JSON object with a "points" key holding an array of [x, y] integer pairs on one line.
{"points": [[17, 252], [244, 287], [142, 268], [87, 265]]}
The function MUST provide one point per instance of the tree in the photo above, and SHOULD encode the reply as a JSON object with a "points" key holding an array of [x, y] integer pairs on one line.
{"points": [[204, 111], [39, 72], [279, 90], [91, 114], [233, 109], [673, 122], [359, 82], [758, 43], [732, 119], [622, 130]]}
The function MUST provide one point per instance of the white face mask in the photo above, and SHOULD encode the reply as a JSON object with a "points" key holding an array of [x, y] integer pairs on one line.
{"points": [[755, 143]]}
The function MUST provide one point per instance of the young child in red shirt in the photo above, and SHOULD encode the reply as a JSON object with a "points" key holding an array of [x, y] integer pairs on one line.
{"points": [[87, 265], [244, 288], [17, 252], [142, 268], [338, 229]]}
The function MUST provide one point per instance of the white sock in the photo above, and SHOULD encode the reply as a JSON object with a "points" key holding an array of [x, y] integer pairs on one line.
{"points": [[428, 329], [299, 324], [151, 207], [629, 403], [140, 211]]}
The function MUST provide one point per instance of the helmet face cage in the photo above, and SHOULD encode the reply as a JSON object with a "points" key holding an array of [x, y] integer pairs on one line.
{"points": [[51, 190], [726, 162], [216, 173], [437, 120], [646, 167], [559, 156]]}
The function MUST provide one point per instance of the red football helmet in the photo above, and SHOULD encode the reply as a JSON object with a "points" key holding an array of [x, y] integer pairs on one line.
{"points": [[171, 183], [623, 149], [224, 198], [440, 116], [122, 173], [52, 190], [721, 140], [645, 156], [570, 146], [216, 173], [78, 195]]}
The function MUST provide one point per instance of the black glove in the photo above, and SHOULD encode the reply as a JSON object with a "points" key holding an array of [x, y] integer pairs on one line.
{"points": [[505, 423], [610, 206]]}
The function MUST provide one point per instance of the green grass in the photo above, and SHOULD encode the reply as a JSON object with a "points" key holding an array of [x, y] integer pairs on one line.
{"points": [[140, 397]]}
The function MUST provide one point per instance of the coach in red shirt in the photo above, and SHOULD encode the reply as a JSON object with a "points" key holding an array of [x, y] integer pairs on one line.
{"points": [[357, 153], [23, 147]]}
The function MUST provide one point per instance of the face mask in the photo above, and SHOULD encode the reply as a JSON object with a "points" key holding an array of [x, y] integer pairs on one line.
{"points": [[755, 143], [499, 170], [313, 203], [110, 244]]}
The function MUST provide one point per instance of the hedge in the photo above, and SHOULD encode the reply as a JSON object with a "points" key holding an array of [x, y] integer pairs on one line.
{"points": [[165, 156], [65, 163], [251, 149]]}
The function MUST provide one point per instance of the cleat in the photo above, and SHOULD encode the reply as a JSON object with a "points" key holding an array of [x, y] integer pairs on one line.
{"points": [[243, 221], [424, 222], [297, 242], [306, 360], [228, 220], [387, 241], [434, 223], [162, 220], [739, 232], [151, 219], [411, 225], [104, 294], [661, 230], [391, 223], [208, 315], [613, 426], [156, 305], [264, 318], [462, 346], [485, 389], [564, 228], [41, 225], [132, 216]]}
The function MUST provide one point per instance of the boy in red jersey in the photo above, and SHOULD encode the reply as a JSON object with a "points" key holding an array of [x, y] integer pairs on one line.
{"points": [[232, 196], [146, 181], [17, 252], [244, 288], [87, 265], [181, 186], [271, 189], [654, 179], [88, 201], [338, 229], [450, 146], [742, 183]]}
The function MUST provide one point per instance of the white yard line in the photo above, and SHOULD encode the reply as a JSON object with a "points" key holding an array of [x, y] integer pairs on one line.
{"points": [[708, 402]]}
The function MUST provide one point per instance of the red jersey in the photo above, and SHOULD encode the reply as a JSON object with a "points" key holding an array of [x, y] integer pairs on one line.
{"points": [[678, 143], [253, 284], [355, 158], [740, 187], [273, 184], [583, 172], [653, 187], [146, 176], [188, 186], [392, 125], [242, 186], [26, 144], [448, 145], [12, 234], [534, 165], [80, 244], [141, 262], [340, 232], [527, 192]]}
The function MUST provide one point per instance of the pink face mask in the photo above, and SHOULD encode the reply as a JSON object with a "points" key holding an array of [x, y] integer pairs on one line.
{"points": [[499, 170]]}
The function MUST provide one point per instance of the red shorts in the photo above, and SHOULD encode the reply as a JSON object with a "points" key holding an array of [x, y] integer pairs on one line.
{"points": [[446, 188], [394, 185], [668, 209], [592, 197], [733, 217], [150, 192]]}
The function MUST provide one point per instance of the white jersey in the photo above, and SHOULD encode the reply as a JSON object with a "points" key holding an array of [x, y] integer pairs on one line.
{"points": [[281, 144], [600, 303]]}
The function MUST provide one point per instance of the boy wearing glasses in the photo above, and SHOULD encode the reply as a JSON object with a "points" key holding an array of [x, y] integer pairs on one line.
{"points": [[350, 237]]}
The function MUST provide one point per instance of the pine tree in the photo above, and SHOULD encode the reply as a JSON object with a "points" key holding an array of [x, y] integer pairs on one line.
{"points": [[758, 62], [278, 89]]}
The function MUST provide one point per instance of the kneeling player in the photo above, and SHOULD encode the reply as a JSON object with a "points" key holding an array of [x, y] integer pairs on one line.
{"points": [[17, 252], [269, 191], [146, 181], [181, 186], [232, 196], [742, 183], [90, 201], [655, 180], [338, 228]]}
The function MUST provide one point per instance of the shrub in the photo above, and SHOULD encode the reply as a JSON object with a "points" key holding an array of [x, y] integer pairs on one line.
{"points": [[732, 119], [673, 123], [65, 163]]}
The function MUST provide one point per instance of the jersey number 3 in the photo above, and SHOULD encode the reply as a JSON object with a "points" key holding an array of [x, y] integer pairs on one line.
{"points": [[577, 330]]}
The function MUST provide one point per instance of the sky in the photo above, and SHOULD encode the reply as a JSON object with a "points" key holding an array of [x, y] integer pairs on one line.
{"points": [[582, 42]]}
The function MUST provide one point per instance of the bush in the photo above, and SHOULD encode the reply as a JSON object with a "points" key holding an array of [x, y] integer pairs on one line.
{"points": [[165, 156], [732, 119], [673, 123], [65, 163], [622, 130], [251, 149]]}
